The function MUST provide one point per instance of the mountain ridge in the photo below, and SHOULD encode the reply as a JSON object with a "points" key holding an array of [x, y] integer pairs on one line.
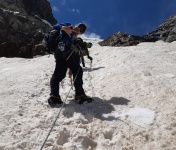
{"points": [[165, 32], [23, 24]]}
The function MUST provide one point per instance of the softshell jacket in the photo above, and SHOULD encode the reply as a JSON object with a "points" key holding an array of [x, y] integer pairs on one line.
{"points": [[67, 39]]}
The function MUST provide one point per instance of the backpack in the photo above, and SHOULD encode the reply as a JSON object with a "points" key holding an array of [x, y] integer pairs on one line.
{"points": [[81, 47], [51, 40]]}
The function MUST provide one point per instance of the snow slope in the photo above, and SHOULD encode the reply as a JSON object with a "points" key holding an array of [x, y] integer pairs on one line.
{"points": [[134, 109]]}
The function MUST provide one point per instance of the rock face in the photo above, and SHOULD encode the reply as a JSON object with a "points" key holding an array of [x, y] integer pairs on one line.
{"points": [[166, 32], [23, 24], [120, 39]]}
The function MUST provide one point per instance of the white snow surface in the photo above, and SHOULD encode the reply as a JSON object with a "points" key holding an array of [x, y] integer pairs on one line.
{"points": [[134, 89]]}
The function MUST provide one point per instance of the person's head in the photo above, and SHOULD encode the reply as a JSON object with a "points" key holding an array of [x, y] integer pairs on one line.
{"points": [[80, 28]]}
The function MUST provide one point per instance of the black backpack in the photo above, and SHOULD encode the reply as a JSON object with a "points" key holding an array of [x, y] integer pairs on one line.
{"points": [[81, 47], [51, 40]]}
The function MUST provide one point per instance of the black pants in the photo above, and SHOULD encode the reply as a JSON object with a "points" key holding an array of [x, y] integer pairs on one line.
{"points": [[60, 72]]}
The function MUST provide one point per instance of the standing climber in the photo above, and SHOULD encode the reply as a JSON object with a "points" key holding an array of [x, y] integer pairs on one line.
{"points": [[65, 59]]}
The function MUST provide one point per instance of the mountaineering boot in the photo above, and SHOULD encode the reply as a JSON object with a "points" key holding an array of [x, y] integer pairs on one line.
{"points": [[83, 99], [54, 101]]}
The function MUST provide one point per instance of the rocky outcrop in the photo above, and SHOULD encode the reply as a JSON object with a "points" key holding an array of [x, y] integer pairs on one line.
{"points": [[166, 32], [23, 24], [119, 39]]}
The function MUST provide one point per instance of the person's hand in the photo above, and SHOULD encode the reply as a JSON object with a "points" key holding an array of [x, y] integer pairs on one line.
{"points": [[76, 30], [89, 45], [67, 29]]}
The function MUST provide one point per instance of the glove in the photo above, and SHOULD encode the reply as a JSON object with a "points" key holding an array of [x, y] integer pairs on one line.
{"points": [[89, 45]]}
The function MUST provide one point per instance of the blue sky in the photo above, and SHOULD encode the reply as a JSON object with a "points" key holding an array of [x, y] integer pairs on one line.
{"points": [[105, 17]]}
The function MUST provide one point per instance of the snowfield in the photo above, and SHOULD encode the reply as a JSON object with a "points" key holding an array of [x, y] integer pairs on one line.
{"points": [[134, 109]]}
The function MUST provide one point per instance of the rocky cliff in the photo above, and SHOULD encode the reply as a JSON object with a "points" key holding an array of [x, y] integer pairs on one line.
{"points": [[166, 32], [23, 24]]}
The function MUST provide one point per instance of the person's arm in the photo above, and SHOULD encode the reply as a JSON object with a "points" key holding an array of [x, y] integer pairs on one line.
{"points": [[67, 29]]}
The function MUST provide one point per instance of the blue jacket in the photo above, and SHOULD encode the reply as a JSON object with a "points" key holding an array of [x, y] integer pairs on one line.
{"points": [[66, 38]]}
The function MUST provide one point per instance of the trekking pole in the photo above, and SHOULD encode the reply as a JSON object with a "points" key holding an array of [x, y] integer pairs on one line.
{"points": [[71, 81], [70, 75], [91, 64], [69, 56]]}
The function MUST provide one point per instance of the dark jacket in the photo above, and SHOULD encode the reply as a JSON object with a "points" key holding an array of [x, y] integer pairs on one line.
{"points": [[66, 39]]}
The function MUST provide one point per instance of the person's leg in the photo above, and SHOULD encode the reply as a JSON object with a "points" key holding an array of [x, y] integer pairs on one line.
{"points": [[58, 75], [74, 64]]}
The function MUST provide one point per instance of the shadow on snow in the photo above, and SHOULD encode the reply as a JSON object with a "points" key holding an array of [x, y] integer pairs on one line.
{"points": [[97, 109]]}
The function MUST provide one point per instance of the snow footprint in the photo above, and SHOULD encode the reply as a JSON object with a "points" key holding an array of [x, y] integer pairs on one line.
{"points": [[108, 134], [84, 142], [68, 112], [63, 136]]}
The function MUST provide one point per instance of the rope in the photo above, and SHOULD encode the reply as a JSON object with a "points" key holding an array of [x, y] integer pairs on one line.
{"points": [[58, 113], [90, 79]]}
